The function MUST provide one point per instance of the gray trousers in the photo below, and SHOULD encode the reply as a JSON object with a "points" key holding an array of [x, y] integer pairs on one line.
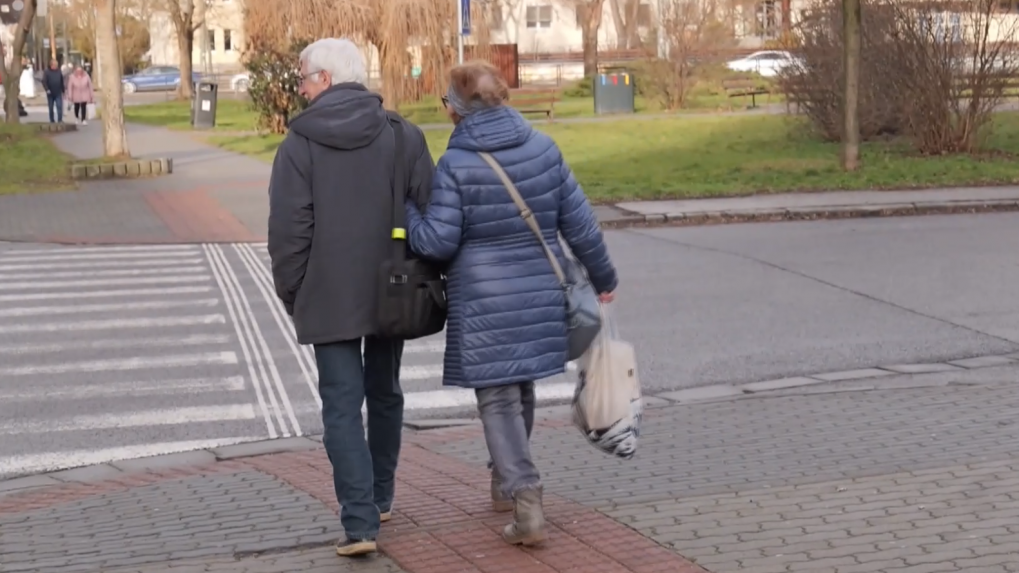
{"points": [[507, 413]]}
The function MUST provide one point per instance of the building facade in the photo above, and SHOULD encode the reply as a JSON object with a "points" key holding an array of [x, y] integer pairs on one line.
{"points": [[224, 25]]}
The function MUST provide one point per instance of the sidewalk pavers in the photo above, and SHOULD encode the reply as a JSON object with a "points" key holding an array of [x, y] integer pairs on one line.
{"points": [[886, 481]]}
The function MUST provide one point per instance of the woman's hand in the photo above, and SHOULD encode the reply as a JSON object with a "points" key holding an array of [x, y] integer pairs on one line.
{"points": [[606, 297]]}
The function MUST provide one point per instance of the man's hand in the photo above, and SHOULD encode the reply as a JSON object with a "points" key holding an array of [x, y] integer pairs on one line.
{"points": [[606, 297]]}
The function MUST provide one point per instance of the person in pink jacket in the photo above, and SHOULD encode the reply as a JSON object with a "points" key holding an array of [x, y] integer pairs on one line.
{"points": [[80, 93]]}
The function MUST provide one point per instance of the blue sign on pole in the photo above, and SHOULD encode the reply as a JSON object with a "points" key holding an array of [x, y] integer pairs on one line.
{"points": [[465, 15]]}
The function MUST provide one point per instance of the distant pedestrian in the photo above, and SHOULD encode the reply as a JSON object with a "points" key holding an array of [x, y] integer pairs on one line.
{"points": [[507, 308], [80, 93], [331, 212], [53, 83]]}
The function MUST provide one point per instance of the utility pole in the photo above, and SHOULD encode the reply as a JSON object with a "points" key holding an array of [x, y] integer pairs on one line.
{"points": [[53, 36], [851, 40], [201, 12], [460, 30]]}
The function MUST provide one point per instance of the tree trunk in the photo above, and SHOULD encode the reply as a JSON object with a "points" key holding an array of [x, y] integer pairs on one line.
{"points": [[186, 46], [851, 97], [114, 134], [589, 33], [12, 75]]}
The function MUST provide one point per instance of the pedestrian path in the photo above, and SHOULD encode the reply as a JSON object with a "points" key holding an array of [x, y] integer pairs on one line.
{"points": [[129, 351]]}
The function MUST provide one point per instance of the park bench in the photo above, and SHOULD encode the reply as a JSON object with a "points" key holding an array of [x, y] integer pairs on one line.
{"points": [[534, 101], [744, 88]]}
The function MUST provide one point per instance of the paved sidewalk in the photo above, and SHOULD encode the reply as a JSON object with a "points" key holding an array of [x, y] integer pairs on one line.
{"points": [[919, 476]]}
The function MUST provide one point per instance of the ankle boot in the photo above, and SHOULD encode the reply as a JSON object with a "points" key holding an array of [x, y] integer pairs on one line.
{"points": [[528, 527], [500, 503]]}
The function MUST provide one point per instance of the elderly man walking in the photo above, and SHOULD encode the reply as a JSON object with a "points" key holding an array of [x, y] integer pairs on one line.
{"points": [[330, 229]]}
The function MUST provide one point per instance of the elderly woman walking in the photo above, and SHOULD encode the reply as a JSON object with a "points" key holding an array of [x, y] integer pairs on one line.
{"points": [[507, 317], [80, 93]]}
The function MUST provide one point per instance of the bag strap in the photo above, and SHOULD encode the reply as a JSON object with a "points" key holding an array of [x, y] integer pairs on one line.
{"points": [[525, 213], [399, 232]]}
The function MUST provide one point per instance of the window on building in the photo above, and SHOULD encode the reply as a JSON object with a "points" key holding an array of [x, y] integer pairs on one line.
{"points": [[766, 19], [228, 41], [581, 15], [539, 16], [212, 40], [644, 17], [493, 12]]}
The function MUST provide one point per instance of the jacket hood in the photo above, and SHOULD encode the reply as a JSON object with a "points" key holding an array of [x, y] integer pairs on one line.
{"points": [[345, 116], [491, 129]]}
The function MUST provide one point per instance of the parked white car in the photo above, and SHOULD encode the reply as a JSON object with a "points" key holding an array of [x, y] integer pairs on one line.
{"points": [[240, 82], [766, 63]]}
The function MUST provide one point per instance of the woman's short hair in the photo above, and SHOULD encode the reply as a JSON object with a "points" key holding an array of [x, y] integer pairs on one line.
{"points": [[479, 81]]}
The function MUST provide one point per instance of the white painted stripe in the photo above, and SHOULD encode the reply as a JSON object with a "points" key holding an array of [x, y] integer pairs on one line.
{"points": [[266, 361], [264, 283], [116, 323], [71, 256], [102, 273], [423, 347], [227, 292], [111, 249], [461, 397], [105, 293], [104, 282], [122, 364], [51, 461], [132, 389], [95, 264], [118, 343], [138, 419], [420, 372], [113, 307]]}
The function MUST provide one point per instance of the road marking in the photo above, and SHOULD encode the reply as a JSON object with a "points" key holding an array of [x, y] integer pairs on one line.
{"points": [[105, 293], [114, 307], [269, 408], [422, 347], [264, 283], [138, 419], [118, 343], [104, 282], [133, 389], [69, 256], [460, 397], [116, 323], [420, 372], [50, 461], [122, 249], [122, 364], [103, 273], [92, 265]]}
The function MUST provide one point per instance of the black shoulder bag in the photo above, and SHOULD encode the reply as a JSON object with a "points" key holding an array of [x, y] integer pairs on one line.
{"points": [[412, 292]]}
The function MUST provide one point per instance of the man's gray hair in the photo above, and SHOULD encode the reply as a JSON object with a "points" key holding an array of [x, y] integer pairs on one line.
{"points": [[340, 57]]}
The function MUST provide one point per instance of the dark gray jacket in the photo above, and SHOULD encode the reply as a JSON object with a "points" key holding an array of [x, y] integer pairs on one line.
{"points": [[53, 82], [330, 211]]}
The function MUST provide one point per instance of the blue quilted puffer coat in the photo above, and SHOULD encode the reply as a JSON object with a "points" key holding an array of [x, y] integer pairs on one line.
{"points": [[507, 318]]}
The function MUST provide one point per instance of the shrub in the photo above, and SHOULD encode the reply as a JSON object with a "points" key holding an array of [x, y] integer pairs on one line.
{"points": [[583, 88], [273, 87]]}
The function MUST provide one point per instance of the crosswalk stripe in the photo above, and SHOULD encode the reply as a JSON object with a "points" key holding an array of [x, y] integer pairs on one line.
{"points": [[155, 249], [48, 461], [114, 307], [93, 264], [118, 343], [71, 256], [116, 293], [105, 282], [134, 389], [103, 273], [420, 372], [161, 417], [116, 323], [421, 347], [118, 365]]}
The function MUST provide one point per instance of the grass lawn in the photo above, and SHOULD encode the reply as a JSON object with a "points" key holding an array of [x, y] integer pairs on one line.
{"points": [[734, 155], [29, 161]]}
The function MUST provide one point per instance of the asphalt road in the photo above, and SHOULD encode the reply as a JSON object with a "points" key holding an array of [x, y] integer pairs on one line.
{"points": [[115, 352]]}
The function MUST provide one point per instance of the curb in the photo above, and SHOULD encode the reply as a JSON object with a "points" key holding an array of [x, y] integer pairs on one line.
{"points": [[702, 394], [829, 212]]}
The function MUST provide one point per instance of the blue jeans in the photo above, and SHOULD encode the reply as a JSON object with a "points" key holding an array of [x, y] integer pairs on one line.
{"points": [[56, 101], [364, 472]]}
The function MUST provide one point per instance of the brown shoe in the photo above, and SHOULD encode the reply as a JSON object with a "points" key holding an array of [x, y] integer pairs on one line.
{"points": [[500, 503], [528, 527], [355, 547]]}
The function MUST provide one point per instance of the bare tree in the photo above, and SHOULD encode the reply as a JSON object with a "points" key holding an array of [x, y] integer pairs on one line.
{"points": [[12, 72], [187, 16], [114, 133], [851, 96], [624, 15], [589, 15]]}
